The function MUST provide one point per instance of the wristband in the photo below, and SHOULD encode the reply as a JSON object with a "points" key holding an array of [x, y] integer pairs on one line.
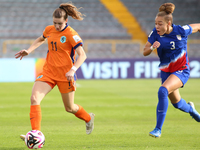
{"points": [[74, 68], [152, 48]]}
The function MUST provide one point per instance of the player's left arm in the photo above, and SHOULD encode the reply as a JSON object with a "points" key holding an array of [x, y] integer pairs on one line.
{"points": [[195, 27], [81, 58]]}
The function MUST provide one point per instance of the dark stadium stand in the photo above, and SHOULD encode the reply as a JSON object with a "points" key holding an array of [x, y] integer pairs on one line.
{"points": [[186, 12], [26, 19]]}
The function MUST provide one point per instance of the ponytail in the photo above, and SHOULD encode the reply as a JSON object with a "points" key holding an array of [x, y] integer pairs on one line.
{"points": [[68, 9]]}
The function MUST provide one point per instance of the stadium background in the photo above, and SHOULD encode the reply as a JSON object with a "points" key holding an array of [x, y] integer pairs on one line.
{"points": [[114, 33]]}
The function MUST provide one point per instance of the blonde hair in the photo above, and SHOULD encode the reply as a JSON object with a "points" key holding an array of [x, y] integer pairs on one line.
{"points": [[68, 9], [166, 11]]}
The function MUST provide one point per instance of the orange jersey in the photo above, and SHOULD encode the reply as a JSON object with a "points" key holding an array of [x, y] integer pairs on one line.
{"points": [[61, 51]]}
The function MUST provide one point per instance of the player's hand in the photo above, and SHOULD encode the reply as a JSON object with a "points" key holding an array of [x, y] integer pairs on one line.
{"points": [[70, 75], [156, 44], [21, 54]]}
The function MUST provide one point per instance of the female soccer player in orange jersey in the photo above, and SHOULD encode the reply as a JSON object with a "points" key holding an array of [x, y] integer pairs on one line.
{"points": [[60, 66]]}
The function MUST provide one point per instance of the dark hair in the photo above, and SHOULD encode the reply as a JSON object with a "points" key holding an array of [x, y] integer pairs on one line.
{"points": [[68, 9], [166, 11]]}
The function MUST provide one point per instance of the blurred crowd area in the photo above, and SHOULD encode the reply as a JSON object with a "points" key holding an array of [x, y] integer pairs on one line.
{"points": [[26, 19]]}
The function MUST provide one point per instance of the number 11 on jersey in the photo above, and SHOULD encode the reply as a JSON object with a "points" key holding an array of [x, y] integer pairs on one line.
{"points": [[54, 45]]}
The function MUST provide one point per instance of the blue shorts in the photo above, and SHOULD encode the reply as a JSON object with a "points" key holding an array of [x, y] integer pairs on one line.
{"points": [[183, 75]]}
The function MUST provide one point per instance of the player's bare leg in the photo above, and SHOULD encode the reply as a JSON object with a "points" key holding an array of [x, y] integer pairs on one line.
{"points": [[40, 89], [78, 111]]}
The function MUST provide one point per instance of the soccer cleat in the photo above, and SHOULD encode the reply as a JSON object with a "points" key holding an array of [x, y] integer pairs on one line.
{"points": [[22, 137], [194, 113], [155, 133], [90, 124]]}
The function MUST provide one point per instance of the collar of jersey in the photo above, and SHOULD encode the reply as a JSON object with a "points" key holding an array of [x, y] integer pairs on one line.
{"points": [[65, 27], [173, 26]]}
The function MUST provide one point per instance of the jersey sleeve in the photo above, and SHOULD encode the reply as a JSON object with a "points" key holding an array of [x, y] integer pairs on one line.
{"points": [[75, 40], [152, 36], [186, 30], [45, 32]]}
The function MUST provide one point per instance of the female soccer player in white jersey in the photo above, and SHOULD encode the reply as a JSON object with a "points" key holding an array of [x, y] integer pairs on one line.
{"points": [[171, 43]]}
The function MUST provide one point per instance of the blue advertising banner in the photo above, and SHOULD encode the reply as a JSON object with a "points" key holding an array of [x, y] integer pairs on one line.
{"points": [[26, 70], [127, 68]]}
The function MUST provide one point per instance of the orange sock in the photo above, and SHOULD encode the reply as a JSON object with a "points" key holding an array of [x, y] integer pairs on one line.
{"points": [[35, 117], [82, 114]]}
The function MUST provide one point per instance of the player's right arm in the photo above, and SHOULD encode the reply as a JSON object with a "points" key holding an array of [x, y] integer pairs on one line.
{"points": [[148, 48], [151, 44], [39, 41]]}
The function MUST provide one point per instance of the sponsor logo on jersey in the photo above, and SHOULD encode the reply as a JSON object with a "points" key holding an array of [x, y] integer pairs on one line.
{"points": [[178, 37], [76, 38], [63, 39]]}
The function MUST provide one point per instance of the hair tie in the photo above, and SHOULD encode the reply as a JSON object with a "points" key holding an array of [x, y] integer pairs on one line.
{"points": [[63, 9]]}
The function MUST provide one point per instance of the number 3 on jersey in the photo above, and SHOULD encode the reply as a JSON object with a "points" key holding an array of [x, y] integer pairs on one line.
{"points": [[54, 46], [173, 45]]}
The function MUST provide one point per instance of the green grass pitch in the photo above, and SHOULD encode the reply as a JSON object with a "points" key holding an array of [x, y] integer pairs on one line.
{"points": [[125, 114]]}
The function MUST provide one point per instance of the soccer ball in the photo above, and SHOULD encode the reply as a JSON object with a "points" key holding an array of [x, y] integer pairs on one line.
{"points": [[34, 139]]}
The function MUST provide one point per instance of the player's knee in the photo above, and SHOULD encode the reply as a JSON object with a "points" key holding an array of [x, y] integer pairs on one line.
{"points": [[34, 100], [162, 91]]}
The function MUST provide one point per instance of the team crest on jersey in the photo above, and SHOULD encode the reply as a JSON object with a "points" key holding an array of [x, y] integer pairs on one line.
{"points": [[63, 39], [178, 37]]}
